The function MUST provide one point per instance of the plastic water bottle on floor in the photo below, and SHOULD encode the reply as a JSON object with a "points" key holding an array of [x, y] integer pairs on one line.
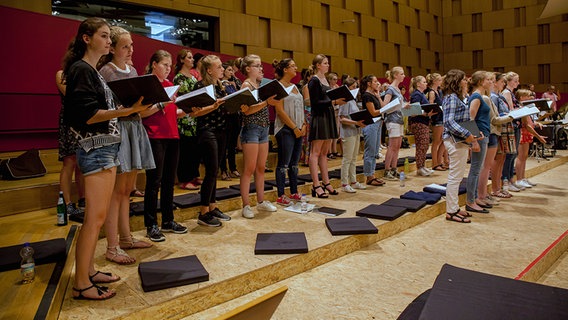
{"points": [[27, 267], [304, 204], [402, 176]]}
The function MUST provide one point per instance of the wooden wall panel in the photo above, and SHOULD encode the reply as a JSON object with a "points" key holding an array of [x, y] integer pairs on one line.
{"points": [[418, 4], [544, 53], [418, 38], [342, 20], [235, 5], [477, 40], [447, 8], [385, 52], [325, 41], [370, 27], [311, 13], [471, 7], [457, 24], [435, 7], [518, 3], [374, 68], [265, 54], [558, 73], [269, 9], [408, 56], [459, 60], [286, 36], [437, 42], [498, 20], [364, 7], [39, 6], [341, 65], [303, 59], [558, 32], [407, 16], [384, 10], [498, 57], [397, 33], [231, 22], [358, 47], [427, 22], [520, 36], [428, 59]]}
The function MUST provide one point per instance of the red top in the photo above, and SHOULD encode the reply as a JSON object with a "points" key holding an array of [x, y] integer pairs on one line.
{"points": [[163, 124]]}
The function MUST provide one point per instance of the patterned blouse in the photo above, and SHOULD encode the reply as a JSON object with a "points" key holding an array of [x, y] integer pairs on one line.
{"points": [[259, 118], [187, 125]]}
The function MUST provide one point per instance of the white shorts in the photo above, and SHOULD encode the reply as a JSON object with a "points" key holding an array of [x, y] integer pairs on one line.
{"points": [[395, 130]]}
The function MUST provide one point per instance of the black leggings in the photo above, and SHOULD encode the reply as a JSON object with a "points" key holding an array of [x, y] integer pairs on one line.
{"points": [[208, 143]]}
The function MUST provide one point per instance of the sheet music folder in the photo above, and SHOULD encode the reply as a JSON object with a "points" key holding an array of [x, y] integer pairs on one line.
{"points": [[130, 90]]}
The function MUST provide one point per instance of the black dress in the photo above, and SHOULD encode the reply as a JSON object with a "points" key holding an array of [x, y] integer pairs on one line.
{"points": [[322, 124]]}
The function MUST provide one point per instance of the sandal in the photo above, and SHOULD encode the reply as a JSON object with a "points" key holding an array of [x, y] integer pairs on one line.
{"points": [[375, 182], [133, 243], [456, 215], [439, 168], [501, 195], [119, 256], [108, 274], [225, 176], [188, 186], [332, 191], [235, 174], [197, 181], [100, 291], [137, 193], [319, 195]]}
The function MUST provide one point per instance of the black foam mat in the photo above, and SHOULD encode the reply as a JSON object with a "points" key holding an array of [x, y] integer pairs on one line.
{"points": [[272, 183], [226, 193], [169, 273], [381, 211], [307, 177], [252, 188], [335, 174], [187, 200], [429, 198], [410, 205], [47, 251], [352, 225], [359, 169], [413, 310], [380, 166], [466, 295], [137, 208], [279, 243]]}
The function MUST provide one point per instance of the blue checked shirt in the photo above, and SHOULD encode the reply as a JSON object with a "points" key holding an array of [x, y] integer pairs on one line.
{"points": [[455, 112]]}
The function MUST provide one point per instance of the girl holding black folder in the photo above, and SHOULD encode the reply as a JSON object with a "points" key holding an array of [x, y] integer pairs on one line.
{"points": [[91, 112], [210, 131], [160, 122], [135, 153], [323, 126], [371, 133], [254, 138]]}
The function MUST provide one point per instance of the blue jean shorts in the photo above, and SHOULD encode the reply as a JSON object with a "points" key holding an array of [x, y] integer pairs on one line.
{"points": [[493, 141], [97, 160], [253, 133]]}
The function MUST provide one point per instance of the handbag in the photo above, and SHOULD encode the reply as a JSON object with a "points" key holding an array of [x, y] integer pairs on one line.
{"points": [[26, 165]]}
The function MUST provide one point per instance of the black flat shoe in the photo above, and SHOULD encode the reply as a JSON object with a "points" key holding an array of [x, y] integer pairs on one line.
{"points": [[486, 206], [468, 208]]}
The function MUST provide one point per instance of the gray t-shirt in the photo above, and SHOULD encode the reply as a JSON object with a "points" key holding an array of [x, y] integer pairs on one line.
{"points": [[348, 130], [394, 117]]}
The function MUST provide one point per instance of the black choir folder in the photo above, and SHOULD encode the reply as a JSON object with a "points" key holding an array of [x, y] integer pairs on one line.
{"points": [[346, 226], [130, 90], [169, 273], [342, 92], [235, 100], [364, 115], [431, 107], [470, 126], [279, 243], [199, 98], [541, 104], [465, 294], [273, 87]]}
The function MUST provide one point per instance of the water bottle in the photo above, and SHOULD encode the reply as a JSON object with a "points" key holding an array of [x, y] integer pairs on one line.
{"points": [[61, 211], [506, 185], [303, 204], [402, 177], [406, 166], [27, 267]]}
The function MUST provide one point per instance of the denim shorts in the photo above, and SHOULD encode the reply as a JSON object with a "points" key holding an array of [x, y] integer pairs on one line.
{"points": [[253, 133], [97, 160], [493, 141], [395, 130]]}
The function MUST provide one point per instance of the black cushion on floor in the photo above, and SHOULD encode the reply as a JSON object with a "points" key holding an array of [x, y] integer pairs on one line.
{"points": [[428, 156], [380, 166], [48, 251], [272, 183], [187, 200], [381, 211], [137, 208], [226, 193], [430, 198], [169, 273], [410, 205], [414, 309], [307, 177], [359, 169], [400, 162], [278, 243], [411, 159], [353, 225], [252, 188], [465, 294], [335, 174]]}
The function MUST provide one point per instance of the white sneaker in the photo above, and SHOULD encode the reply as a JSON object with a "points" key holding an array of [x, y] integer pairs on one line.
{"points": [[347, 188], [513, 187], [358, 185], [519, 186], [247, 212], [423, 172], [429, 170], [529, 182], [266, 206], [524, 184]]}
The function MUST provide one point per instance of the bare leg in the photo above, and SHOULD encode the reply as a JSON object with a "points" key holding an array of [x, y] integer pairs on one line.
{"points": [[484, 174], [250, 156], [262, 155]]}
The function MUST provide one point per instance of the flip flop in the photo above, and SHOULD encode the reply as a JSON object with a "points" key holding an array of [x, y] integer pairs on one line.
{"points": [[375, 182], [439, 168], [100, 292], [108, 274]]}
